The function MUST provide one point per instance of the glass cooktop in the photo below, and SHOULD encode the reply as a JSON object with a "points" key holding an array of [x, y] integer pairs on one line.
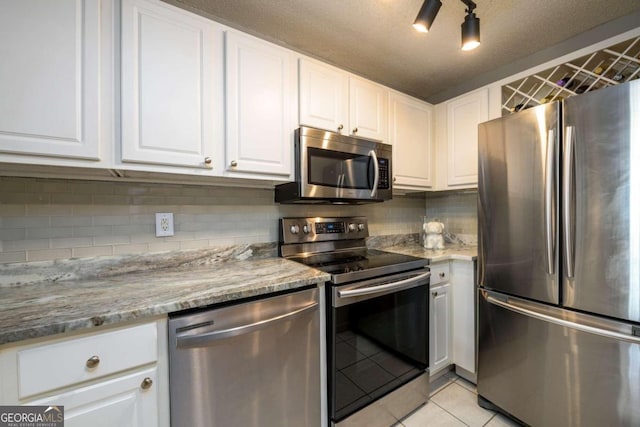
{"points": [[361, 264]]}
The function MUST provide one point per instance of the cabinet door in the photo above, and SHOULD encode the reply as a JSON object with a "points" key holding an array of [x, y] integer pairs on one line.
{"points": [[49, 78], [168, 71], [259, 106], [324, 95], [464, 315], [463, 116], [440, 330], [368, 109], [411, 130], [123, 401]]}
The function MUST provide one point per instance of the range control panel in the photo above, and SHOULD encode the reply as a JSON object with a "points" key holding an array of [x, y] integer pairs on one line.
{"points": [[317, 229]]}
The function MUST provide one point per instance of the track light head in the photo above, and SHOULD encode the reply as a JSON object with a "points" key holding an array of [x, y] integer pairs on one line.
{"points": [[427, 15], [470, 31]]}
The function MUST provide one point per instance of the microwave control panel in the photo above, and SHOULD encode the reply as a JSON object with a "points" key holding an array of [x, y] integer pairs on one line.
{"points": [[383, 167]]}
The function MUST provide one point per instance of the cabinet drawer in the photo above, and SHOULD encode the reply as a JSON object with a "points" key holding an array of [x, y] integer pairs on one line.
{"points": [[439, 273], [64, 363]]}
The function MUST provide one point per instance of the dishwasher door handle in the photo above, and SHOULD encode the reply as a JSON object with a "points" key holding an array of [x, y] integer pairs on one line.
{"points": [[202, 340]]}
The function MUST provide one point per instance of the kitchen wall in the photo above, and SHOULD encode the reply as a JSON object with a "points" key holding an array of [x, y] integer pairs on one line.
{"points": [[46, 219], [458, 212]]}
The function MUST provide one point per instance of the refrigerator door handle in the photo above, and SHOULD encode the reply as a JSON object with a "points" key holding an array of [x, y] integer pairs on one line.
{"points": [[506, 304], [550, 202], [567, 199]]}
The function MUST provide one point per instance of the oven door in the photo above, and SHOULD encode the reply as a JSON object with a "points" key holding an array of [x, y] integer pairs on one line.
{"points": [[378, 338]]}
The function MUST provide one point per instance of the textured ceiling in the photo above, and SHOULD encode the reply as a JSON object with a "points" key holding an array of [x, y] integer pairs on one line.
{"points": [[375, 39]]}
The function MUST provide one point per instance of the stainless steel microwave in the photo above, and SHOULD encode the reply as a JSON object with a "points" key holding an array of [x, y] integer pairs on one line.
{"points": [[335, 168]]}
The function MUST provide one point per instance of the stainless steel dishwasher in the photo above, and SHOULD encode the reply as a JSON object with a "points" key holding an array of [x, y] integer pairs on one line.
{"points": [[255, 363]]}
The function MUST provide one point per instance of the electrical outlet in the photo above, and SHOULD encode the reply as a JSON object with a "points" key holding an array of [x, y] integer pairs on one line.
{"points": [[164, 224]]}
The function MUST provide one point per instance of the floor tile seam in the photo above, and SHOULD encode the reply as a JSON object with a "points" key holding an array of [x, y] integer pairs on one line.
{"points": [[490, 419], [441, 389], [453, 415]]}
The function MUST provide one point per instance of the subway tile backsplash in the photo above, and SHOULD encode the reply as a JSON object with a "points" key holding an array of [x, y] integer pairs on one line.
{"points": [[48, 219], [458, 212]]}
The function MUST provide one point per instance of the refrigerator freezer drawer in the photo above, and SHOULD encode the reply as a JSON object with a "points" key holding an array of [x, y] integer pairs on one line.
{"points": [[548, 366]]}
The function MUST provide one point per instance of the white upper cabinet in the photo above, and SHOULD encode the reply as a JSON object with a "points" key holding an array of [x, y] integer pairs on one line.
{"points": [[260, 107], [49, 78], [411, 134], [168, 75], [324, 95], [463, 116], [333, 99], [368, 109]]}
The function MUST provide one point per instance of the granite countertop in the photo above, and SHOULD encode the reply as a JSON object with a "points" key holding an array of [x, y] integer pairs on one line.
{"points": [[47, 298], [450, 252], [51, 299]]}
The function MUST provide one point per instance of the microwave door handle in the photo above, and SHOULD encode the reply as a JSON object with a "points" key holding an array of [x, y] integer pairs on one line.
{"points": [[376, 173]]}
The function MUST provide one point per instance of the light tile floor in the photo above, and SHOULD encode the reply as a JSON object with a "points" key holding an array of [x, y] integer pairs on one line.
{"points": [[453, 402]]}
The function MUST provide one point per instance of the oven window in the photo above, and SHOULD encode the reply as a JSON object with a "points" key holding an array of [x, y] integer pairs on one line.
{"points": [[341, 170], [376, 346]]}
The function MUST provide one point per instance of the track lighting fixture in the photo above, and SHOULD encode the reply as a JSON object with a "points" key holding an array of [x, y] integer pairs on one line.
{"points": [[427, 14], [470, 27]]}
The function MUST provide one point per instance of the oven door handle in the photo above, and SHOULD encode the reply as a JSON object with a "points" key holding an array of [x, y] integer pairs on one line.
{"points": [[393, 286]]}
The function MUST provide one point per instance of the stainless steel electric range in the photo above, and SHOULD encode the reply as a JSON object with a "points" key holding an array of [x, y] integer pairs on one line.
{"points": [[377, 319]]}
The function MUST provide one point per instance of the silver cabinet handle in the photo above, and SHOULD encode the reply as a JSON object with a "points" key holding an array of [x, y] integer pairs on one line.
{"points": [[92, 362], [560, 322], [208, 161], [567, 199], [355, 130], [550, 202], [399, 285], [146, 383], [340, 127], [206, 338], [234, 163], [376, 173]]}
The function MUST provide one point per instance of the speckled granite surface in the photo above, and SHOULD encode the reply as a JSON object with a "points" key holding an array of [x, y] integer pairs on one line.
{"points": [[49, 298], [46, 298], [450, 252]]}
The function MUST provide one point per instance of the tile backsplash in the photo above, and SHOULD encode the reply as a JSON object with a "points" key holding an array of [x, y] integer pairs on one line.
{"points": [[459, 213], [48, 219]]}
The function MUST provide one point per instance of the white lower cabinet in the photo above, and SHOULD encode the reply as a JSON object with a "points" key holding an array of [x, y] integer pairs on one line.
{"points": [[452, 329], [440, 328], [125, 401], [116, 377], [464, 317]]}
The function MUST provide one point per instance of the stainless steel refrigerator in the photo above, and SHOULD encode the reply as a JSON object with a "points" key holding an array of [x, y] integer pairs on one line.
{"points": [[559, 261]]}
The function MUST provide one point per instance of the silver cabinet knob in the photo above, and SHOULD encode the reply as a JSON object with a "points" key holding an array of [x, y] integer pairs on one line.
{"points": [[394, 179], [435, 294], [234, 163], [340, 128], [442, 275], [146, 383], [207, 161], [355, 130], [93, 361]]}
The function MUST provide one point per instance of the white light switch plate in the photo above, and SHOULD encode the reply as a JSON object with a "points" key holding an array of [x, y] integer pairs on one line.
{"points": [[164, 224]]}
